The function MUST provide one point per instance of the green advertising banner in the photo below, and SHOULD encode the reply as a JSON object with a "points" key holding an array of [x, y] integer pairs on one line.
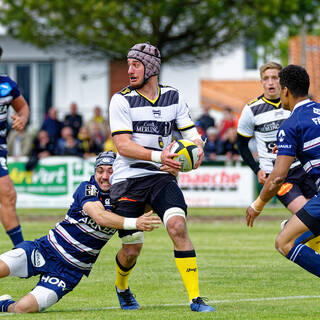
{"points": [[52, 183]]}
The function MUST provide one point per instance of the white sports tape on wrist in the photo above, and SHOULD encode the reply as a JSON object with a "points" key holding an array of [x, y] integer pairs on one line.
{"points": [[130, 224], [156, 156]]}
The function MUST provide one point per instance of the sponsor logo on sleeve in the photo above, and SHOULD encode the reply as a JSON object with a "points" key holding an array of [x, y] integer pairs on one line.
{"points": [[91, 190]]}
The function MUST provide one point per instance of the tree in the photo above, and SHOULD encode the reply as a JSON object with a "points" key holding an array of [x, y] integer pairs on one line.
{"points": [[184, 30]]}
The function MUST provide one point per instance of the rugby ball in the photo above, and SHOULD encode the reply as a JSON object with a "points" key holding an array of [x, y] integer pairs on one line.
{"points": [[187, 154]]}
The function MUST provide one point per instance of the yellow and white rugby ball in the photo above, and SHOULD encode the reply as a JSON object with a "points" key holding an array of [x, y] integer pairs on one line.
{"points": [[187, 154]]}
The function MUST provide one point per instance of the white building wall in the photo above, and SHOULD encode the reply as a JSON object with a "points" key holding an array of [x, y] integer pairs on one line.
{"points": [[186, 79], [83, 82]]}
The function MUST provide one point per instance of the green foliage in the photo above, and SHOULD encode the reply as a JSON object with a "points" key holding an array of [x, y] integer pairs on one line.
{"points": [[239, 271], [183, 30]]}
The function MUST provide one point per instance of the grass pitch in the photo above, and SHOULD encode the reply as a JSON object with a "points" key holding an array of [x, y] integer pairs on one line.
{"points": [[239, 271]]}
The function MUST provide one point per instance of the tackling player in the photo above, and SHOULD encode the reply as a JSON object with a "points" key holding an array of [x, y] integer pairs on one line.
{"points": [[298, 136], [142, 117], [10, 95], [70, 250], [261, 119]]}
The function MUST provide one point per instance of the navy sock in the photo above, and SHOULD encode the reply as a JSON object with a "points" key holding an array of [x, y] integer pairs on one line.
{"points": [[306, 258], [15, 235], [4, 304], [303, 237]]}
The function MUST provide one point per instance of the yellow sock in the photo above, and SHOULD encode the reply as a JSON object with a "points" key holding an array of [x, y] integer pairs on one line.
{"points": [[314, 244], [122, 275], [186, 262]]}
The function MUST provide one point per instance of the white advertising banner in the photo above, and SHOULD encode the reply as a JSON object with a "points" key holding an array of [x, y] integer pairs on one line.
{"points": [[210, 186], [54, 180]]}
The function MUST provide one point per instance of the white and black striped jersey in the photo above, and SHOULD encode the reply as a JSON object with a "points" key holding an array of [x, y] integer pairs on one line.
{"points": [[151, 123], [261, 119]]}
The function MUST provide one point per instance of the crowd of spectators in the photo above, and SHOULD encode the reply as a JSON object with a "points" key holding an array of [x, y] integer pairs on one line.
{"points": [[220, 136], [70, 137], [74, 137]]}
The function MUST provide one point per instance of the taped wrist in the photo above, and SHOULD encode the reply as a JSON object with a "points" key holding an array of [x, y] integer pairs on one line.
{"points": [[258, 204]]}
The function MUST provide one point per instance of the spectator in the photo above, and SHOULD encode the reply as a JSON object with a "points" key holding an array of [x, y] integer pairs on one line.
{"points": [[19, 143], [52, 125], [61, 143], [109, 144], [200, 130], [212, 146], [205, 119], [68, 145], [73, 119], [88, 146], [98, 135], [228, 121], [97, 118], [42, 147], [229, 145]]}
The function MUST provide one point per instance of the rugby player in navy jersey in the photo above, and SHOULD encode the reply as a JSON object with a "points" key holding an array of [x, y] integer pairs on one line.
{"points": [[142, 117], [10, 95], [260, 119], [70, 250], [298, 136]]}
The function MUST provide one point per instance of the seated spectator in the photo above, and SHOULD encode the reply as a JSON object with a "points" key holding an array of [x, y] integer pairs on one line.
{"points": [[42, 147], [228, 121], [229, 146], [68, 145], [212, 146], [97, 118], [200, 130], [19, 143], [60, 144], [206, 120], [98, 135], [87, 144], [109, 144], [73, 119], [52, 125]]}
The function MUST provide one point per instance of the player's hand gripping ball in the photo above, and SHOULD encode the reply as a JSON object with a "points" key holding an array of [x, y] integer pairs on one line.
{"points": [[187, 154]]}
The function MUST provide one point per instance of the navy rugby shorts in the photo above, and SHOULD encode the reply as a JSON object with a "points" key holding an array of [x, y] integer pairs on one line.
{"points": [[160, 191]]}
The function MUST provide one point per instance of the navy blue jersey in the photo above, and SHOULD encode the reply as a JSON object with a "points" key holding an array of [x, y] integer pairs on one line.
{"points": [[8, 91], [299, 135], [78, 239]]}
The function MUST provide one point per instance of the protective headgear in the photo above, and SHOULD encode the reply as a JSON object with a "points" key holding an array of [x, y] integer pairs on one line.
{"points": [[149, 55], [105, 158]]}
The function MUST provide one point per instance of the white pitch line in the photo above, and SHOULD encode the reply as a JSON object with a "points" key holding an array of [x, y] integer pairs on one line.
{"points": [[184, 304]]}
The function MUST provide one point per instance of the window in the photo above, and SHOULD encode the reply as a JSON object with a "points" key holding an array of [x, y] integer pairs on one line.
{"points": [[45, 86], [23, 80], [250, 54], [3, 68], [35, 81]]}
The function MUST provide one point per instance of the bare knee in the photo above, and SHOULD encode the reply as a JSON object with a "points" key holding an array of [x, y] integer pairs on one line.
{"points": [[176, 227], [128, 254], [283, 246]]}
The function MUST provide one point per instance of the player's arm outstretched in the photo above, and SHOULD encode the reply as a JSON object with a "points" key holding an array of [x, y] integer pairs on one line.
{"points": [[146, 222], [270, 188]]}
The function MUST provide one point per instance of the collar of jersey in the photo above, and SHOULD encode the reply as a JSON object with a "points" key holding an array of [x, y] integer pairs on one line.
{"points": [[276, 104], [152, 101]]}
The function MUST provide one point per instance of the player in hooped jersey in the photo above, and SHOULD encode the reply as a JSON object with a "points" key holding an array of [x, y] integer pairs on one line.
{"points": [[142, 117], [70, 250], [10, 95], [298, 136], [261, 119]]}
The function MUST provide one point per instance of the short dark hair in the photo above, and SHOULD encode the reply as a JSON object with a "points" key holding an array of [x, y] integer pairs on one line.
{"points": [[296, 79], [1, 51]]}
